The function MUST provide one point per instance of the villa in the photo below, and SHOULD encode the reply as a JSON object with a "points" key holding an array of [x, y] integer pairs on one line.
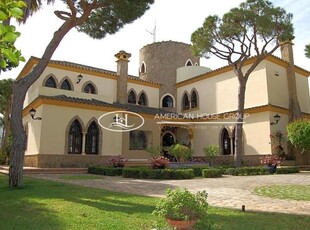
{"points": [[90, 113]]}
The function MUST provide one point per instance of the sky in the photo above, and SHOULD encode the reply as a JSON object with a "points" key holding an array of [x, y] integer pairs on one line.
{"points": [[175, 20]]}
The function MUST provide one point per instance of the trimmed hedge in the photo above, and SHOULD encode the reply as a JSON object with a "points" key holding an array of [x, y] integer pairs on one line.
{"points": [[246, 171], [287, 170], [143, 173], [107, 171], [185, 173], [211, 172]]}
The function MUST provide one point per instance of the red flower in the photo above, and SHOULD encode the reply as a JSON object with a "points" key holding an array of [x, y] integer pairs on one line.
{"points": [[270, 160], [159, 162]]}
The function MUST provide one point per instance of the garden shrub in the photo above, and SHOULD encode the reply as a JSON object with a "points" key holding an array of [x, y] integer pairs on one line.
{"points": [[143, 173], [132, 172], [198, 170], [211, 172], [117, 160], [298, 133], [107, 171], [160, 162], [287, 170], [246, 171]]}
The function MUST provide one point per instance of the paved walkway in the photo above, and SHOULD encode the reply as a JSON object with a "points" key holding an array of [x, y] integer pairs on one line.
{"points": [[228, 191]]}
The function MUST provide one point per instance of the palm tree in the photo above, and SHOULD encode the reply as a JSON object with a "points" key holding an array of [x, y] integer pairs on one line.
{"points": [[32, 7]]}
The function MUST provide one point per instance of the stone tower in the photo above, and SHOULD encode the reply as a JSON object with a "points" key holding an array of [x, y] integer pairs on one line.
{"points": [[159, 61]]}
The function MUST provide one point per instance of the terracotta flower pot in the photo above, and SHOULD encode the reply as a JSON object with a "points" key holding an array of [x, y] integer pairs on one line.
{"points": [[181, 224]]}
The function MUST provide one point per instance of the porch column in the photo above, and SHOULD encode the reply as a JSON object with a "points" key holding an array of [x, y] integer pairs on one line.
{"points": [[83, 143]]}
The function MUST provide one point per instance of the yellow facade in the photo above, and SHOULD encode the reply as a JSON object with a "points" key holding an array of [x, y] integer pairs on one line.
{"points": [[209, 119]]}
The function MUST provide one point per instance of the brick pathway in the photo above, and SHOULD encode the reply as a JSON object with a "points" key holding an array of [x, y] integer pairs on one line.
{"points": [[228, 191]]}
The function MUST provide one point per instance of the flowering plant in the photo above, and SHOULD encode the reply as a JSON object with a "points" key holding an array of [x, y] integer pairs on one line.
{"points": [[271, 160], [160, 162], [117, 160]]}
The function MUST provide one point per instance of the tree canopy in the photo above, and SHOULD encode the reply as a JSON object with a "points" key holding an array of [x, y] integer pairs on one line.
{"points": [[298, 133], [10, 56], [307, 51], [244, 31], [255, 28], [110, 17]]}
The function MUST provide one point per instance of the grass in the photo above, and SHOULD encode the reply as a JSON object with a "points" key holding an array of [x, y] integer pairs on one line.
{"points": [[48, 205], [80, 177], [290, 192]]}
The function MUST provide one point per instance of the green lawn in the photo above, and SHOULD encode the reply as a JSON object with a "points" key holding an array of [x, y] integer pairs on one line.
{"points": [[51, 205], [291, 192]]}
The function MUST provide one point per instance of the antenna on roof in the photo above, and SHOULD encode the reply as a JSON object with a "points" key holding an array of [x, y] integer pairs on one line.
{"points": [[153, 32]]}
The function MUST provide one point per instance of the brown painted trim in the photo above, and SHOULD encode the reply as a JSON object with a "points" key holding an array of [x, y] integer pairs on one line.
{"points": [[139, 82]]}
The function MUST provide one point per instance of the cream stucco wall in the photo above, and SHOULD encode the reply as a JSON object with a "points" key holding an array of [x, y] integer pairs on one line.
{"points": [[187, 72], [219, 94], [256, 134], [152, 93], [149, 125], [33, 131], [106, 87], [278, 88], [56, 121]]}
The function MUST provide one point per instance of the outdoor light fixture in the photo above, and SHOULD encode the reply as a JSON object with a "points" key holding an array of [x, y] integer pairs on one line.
{"points": [[32, 113], [277, 118], [79, 78]]}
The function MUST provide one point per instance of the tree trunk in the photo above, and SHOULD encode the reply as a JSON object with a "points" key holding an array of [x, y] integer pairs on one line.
{"points": [[294, 108], [6, 129], [19, 93], [18, 148], [239, 131]]}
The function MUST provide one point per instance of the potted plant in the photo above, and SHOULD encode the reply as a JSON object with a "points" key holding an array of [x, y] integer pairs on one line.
{"points": [[211, 152], [183, 209]]}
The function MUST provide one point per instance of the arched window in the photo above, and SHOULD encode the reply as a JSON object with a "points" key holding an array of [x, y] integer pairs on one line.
{"points": [[75, 138], [194, 99], [92, 139], [226, 147], [167, 101], [89, 88], [227, 142], [185, 101], [66, 85], [142, 99], [50, 82], [143, 68], [132, 99], [189, 63]]}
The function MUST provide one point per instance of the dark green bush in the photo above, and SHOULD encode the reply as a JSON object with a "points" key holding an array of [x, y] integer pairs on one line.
{"points": [[132, 172], [211, 172], [107, 171], [287, 170], [198, 170], [144, 173], [246, 171]]}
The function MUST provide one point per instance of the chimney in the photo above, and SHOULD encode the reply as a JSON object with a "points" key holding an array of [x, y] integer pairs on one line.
{"points": [[287, 52], [293, 104], [122, 73]]}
